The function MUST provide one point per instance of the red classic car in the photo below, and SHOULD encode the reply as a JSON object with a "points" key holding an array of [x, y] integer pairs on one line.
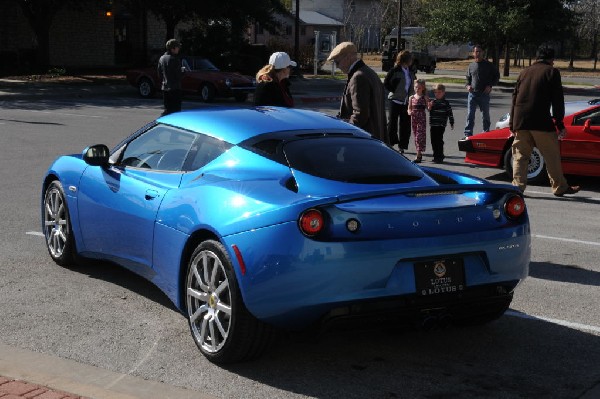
{"points": [[579, 150], [201, 77]]}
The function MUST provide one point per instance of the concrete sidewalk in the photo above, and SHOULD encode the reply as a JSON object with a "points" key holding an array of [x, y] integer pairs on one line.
{"points": [[31, 375]]}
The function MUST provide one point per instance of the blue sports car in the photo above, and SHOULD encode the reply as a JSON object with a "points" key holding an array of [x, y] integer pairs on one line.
{"points": [[253, 220]]}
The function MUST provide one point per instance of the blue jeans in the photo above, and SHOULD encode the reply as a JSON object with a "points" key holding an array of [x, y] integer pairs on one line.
{"points": [[473, 101]]}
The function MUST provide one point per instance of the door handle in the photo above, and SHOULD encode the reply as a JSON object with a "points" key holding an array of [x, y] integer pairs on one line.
{"points": [[151, 194]]}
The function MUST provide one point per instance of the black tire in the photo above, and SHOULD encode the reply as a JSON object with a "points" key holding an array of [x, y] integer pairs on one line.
{"points": [[536, 172], [57, 226], [207, 93], [222, 327], [240, 97], [146, 88]]}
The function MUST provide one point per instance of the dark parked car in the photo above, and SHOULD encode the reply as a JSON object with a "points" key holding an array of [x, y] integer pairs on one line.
{"points": [[201, 78]]}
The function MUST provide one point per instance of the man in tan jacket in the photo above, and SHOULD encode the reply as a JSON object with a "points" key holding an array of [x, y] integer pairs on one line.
{"points": [[363, 101]]}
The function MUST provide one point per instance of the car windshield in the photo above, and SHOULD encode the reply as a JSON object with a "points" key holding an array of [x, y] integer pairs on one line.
{"points": [[199, 64], [350, 160]]}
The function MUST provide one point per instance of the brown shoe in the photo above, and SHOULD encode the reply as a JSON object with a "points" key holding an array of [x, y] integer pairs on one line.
{"points": [[570, 190]]}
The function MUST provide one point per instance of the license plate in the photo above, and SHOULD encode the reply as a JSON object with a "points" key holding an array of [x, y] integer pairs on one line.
{"points": [[439, 276]]}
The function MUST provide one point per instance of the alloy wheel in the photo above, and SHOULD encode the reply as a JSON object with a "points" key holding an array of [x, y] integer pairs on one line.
{"points": [[56, 223], [209, 301]]}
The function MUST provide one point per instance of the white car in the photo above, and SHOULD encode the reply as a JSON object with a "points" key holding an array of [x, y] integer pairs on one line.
{"points": [[504, 121], [570, 108]]}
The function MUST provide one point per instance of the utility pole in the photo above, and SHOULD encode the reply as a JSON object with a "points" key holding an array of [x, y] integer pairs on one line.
{"points": [[399, 25], [297, 32]]}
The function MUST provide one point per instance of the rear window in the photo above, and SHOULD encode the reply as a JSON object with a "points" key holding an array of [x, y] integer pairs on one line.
{"points": [[350, 160]]}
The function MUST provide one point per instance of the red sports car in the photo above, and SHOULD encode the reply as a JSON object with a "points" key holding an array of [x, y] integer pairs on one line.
{"points": [[579, 150], [201, 77]]}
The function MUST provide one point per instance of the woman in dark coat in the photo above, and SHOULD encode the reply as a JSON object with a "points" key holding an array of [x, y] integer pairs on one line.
{"points": [[273, 83], [399, 82]]}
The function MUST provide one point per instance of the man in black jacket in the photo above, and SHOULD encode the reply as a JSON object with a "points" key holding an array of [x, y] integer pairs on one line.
{"points": [[537, 89], [170, 71]]}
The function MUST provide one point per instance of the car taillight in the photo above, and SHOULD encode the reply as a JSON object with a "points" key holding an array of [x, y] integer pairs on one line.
{"points": [[311, 222], [514, 206]]}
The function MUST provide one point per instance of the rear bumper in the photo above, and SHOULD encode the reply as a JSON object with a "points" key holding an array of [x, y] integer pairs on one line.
{"points": [[483, 302], [292, 281]]}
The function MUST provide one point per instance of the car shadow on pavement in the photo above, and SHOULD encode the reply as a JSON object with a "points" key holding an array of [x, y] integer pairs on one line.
{"points": [[508, 358], [564, 273], [115, 274]]}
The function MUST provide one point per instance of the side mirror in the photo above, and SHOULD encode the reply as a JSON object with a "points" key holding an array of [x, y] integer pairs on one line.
{"points": [[587, 126], [96, 155]]}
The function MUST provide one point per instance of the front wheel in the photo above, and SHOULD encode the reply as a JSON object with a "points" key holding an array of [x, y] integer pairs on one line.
{"points": [[57, 225], [536, 171], [222, 327], [207, 93]]}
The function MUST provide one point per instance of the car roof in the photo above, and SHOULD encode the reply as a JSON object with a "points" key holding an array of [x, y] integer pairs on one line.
{"points": [[235, 125]]}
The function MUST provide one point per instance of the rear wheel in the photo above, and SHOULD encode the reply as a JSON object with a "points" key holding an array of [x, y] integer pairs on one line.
{"points": [[536, 171], [57, 225], [221, 326], [146, 88]]}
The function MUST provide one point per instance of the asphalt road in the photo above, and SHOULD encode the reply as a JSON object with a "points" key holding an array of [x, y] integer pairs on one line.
{"points": [[548, 346]]}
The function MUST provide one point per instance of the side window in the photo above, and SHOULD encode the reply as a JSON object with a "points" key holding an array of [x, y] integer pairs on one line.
{"points": [[162, 148], [205, 150], [593, 116]]}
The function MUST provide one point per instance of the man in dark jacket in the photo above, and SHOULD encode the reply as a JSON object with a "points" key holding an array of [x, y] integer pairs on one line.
{"points": [[171, 72], [538, 88], [363, 101]]}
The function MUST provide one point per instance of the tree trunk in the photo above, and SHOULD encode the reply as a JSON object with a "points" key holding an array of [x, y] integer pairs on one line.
{"points": [[42, 55], [595, 48], [507, 59], [39, 16], [571, 58], [170, 25]]}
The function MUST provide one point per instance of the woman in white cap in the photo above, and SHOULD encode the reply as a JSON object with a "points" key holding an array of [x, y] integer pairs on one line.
{"points": [[273, 83]]}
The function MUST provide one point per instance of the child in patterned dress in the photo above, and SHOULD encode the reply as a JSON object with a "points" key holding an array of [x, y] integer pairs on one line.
{"points": [[417, 105]]}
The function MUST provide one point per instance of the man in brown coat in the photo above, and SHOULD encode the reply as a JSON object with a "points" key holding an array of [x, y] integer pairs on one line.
{"points": [[539, 87], [363, 101]]}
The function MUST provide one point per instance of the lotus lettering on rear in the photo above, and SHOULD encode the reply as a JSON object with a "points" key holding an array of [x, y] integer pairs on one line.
{"points": [[510, 246]]}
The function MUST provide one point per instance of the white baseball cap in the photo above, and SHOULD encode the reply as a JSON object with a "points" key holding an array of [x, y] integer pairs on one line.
{"points": [[281, 60]]}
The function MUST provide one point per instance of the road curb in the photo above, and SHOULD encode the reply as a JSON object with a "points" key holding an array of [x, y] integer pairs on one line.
{"points": [[82, 379]]}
